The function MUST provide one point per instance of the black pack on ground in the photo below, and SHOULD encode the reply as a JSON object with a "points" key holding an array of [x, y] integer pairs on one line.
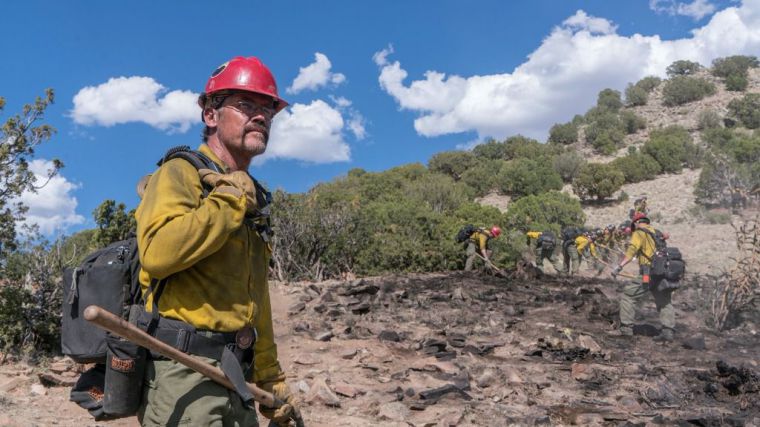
{"points": [[465, 233]]}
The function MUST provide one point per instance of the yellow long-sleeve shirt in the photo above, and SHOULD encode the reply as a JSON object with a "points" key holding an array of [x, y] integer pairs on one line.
{"points": [[642, 245], [216, 266], [480, 238], [581, 242]]}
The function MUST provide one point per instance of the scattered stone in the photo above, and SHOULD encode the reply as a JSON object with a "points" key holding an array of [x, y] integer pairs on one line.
{"points": [[303, 386], [305, 359], [486, 379], [51, 380], [368, 289], [12, 383], [360, 308], [387, 335], [436, 393], [446, 355], [586, 341], [513, 376], [344, 389], [38, 390], [324, 336], [697, 342], [296, 308], [321, 392], [301, 327], [60, 366], [349, 354], [394, 411], [581, 371]]}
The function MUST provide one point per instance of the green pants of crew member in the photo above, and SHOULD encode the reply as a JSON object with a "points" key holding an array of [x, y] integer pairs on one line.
{"points": [[572, 259], [472, 255], [174, 395], [542, 254], [634, 292]]}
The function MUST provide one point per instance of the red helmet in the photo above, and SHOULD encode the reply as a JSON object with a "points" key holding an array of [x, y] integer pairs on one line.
{"points": [[638, 216], [246, 74], [495, 231]]}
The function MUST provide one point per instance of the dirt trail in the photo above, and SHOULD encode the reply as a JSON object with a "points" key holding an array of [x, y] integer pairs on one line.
{"points": [[466, 349]]}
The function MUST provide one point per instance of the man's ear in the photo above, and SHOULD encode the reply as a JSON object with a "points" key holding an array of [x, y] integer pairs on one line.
{"points": [[210, 117]]}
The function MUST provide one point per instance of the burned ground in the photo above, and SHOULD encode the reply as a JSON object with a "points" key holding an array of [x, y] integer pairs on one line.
{"points": [[470, 349]]}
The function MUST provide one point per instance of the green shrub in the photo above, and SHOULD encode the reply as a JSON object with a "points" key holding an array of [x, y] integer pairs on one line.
{"points": [[609, 100], [552, 211], [746, 110], [490, 150], [637, 167], [737, 82], [636, 95], [452, 163], [522, 177], [733, 65], [568, 164], [482, 176], [682, 68], [649, 83], [631, 122], [566, 133], [708, 119], [682, 89], [605, 132], [516, 147], [597, 180], [670, 147]]}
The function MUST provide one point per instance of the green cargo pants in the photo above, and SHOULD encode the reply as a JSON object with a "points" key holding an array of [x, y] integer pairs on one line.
{"points": [[572, 259], [472, 254], [542, 254], [174, 395], [634, 291]]}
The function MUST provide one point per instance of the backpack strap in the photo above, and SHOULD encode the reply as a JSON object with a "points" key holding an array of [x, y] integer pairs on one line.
{"points": [[654, 241]]}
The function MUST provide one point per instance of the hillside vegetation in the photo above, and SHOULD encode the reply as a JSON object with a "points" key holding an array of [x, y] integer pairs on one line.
{"points": [[702, 120]]}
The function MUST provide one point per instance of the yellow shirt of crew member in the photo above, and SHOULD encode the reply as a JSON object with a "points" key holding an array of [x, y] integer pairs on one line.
{"points": [[216, 266]]}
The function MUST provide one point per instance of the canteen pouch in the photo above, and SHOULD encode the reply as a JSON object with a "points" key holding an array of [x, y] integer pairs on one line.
{"points": [[125, 366]]}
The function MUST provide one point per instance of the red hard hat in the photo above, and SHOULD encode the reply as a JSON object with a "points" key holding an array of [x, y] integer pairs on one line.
{"points": [[495, 231], [246, 74], [638, 216]]}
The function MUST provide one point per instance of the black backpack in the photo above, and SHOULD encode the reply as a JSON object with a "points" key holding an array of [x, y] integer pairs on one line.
{"points": [[109, 278], [667, 262], [547, 241], [570, 233], [465, 233]]}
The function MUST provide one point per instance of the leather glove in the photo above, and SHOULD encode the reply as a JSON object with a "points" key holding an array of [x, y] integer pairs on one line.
{"points": [[236, 183], [284, 414], [616, 271]]}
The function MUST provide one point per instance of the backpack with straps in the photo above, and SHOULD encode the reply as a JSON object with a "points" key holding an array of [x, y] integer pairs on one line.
{"points": [[465, 232], [109, 278], [667, 262], [546, 241]]}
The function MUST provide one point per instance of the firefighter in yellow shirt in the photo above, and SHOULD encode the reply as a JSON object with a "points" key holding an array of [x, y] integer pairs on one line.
{"points": [[477, 245], [546, 243], [204, 256], [583, 245], [643, 246]]}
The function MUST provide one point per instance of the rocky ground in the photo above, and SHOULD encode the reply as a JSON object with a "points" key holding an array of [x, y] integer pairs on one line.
{"points": [[472, 349]]}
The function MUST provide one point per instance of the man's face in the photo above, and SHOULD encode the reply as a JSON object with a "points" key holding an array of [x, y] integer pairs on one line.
{"points": [[243, 123]]}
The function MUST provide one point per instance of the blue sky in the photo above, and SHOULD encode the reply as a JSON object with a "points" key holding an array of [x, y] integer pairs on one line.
{"points": [[371, 84]]}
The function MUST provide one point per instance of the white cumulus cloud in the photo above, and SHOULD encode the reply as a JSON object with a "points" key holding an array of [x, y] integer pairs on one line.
{"points": [[308, 132], [52, 208], [316, 75], [136, 99], [562, 77], [697, 9]]}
